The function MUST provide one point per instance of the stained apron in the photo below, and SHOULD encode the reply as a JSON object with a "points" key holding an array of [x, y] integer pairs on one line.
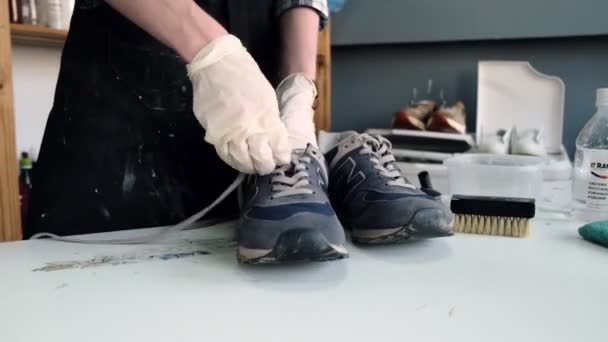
{"points": [[122, 148]]}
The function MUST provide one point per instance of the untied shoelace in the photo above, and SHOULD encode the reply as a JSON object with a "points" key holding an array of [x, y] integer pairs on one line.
{"points": [[154, 237]]}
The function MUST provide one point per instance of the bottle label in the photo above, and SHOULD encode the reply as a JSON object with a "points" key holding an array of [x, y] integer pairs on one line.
{"points": [[593, 179]]}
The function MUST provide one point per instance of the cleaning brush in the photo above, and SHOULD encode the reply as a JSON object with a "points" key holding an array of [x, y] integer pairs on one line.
{"points": [[492, 215]]}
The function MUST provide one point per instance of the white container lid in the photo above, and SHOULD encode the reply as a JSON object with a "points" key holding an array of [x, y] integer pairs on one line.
{"points": [[515, 94], [495, 175]]}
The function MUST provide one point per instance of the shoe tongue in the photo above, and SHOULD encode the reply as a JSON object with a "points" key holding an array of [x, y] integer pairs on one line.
{"points": [[329, 141], [310, 152]]}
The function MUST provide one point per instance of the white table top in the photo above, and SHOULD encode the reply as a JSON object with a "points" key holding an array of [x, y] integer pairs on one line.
{"points": [[549, 287]]}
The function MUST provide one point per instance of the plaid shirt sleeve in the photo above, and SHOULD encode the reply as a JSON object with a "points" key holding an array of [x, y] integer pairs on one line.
{"points": [[319, 5]]}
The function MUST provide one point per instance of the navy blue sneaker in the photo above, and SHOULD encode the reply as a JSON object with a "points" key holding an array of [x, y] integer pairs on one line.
{"points": [[371, 197], [286, 216]]}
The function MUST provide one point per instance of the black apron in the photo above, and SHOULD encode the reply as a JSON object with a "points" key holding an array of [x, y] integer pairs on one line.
{"points": [[122, 148]]}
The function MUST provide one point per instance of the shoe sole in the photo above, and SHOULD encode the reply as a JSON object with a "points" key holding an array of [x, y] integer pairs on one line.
{"points": [[298, 245], [393, 235]]}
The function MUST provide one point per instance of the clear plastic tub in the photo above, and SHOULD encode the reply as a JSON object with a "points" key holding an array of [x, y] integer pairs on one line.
{"points": [[495, 175]]}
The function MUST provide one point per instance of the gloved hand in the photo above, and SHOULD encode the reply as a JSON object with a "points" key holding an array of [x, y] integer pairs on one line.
{"points": [[297, 94], [238, 108]]}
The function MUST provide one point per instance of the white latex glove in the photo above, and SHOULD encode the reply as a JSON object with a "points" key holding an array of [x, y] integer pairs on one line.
{"points": [[297, 94], [238, 108]]}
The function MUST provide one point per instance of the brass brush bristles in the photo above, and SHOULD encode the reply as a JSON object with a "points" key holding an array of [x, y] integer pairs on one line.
{"points": [[492, 215], [492, 225]]}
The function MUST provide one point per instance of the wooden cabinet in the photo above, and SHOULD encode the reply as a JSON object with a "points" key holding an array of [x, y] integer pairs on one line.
{"points": [[10, 220], [323, 113]]}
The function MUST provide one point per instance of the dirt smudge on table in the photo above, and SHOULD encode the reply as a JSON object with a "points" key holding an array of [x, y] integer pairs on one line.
{"points": [[184, 249], [62, 286]]}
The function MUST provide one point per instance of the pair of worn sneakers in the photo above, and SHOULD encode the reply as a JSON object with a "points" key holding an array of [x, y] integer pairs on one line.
{"points": [[298, 212], [429, 116], [528, 142]]}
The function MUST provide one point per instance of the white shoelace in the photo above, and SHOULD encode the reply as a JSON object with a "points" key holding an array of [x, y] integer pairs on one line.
{"points": [[378, 149], [284, 184], [153, 237], [293, 179]]}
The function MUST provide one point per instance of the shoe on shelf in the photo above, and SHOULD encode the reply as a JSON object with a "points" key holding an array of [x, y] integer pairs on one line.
{"points": [[448, 119], [529, 142], [499, 143], [414, 117], [371, 197], [287, 217]]}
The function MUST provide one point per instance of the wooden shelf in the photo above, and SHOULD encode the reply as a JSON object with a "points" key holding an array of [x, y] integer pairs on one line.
{"points": [[37, 35]]}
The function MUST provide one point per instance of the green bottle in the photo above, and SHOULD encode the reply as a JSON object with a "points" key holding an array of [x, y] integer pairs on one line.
{"points": [[25, 167]]}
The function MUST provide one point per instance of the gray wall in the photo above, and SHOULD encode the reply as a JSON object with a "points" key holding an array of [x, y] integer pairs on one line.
{"points": [[400, 21], [371, 81]]}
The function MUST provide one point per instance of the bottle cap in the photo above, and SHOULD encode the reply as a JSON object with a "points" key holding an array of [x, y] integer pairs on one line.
{"points": [[602, 97]]}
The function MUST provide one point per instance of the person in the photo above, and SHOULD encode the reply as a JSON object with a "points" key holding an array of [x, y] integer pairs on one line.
{"points": [[123, 146]]}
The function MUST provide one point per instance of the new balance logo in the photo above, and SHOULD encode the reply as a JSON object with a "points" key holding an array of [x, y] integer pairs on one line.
{"points": [[347, 178]]}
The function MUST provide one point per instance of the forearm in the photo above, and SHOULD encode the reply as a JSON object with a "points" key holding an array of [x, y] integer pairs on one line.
{"points": [[180, 24], [299, 38]]}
